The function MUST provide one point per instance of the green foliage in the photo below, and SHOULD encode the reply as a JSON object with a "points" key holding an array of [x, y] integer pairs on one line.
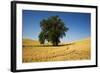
{"points": [[42, 37], [53, 28]]}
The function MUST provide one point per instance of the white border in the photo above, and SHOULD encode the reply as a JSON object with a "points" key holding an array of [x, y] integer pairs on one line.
{"points": [[21, 65]]}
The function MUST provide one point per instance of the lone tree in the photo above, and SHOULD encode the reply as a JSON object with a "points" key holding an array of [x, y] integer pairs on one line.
{"points": [[52, 29]]}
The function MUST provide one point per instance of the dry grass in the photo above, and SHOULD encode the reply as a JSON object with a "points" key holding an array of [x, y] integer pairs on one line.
{"points": [[35, 52]]}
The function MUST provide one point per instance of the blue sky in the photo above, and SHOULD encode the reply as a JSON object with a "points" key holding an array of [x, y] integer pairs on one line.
{"points": [[79, 24]]}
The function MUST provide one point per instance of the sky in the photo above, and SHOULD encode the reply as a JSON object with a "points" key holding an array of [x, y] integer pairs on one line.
{"points": [[79, 24]]}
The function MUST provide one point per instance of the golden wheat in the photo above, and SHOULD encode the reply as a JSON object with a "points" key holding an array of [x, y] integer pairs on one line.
{"points": [[33, 51]]}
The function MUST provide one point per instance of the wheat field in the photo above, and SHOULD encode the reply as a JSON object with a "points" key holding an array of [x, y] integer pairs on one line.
{"points": [[33, 51]]}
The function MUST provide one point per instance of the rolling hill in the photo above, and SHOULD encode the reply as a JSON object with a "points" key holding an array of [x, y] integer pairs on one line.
{"points": [[33, 51]]}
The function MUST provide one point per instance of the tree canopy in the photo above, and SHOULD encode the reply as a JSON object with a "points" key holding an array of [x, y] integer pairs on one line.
{"points": [[52, 29]]}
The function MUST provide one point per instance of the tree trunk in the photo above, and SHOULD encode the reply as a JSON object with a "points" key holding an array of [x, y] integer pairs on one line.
{"points": [[55, 44]]}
